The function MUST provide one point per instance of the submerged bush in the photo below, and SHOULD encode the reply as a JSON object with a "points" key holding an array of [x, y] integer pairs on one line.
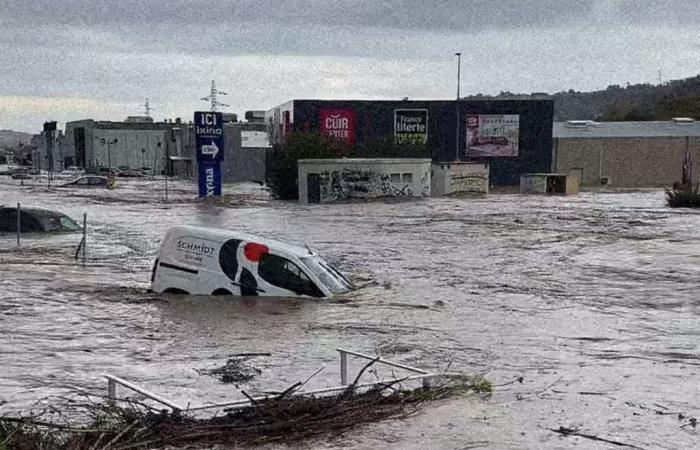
{"points": [[683, 197]]}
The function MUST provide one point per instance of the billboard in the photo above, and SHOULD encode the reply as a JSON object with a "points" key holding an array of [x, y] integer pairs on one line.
{"points": [[492, 134], [339, 123], [411, 126], [255, 139]]}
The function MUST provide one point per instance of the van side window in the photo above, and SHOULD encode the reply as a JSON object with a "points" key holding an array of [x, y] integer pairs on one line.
{"points": [[283, 273]]}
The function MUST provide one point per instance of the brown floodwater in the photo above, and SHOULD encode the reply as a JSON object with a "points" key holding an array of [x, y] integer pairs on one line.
{"points": [[592, 300]]}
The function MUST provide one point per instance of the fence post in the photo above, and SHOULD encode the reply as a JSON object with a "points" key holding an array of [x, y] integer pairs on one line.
{"points": [[343, 368], [18, 223], [84, 237], [111, 390]]}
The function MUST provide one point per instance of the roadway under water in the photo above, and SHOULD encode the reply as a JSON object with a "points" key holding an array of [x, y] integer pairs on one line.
{"points": [[592, 300]]}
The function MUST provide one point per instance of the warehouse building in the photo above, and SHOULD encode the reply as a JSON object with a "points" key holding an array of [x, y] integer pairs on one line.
{"points": [[626, 154], [511, 136], [137, 142]]}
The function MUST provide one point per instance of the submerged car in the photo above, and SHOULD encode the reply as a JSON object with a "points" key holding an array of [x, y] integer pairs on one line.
{"points": [[89, 181], [130, 173], [207, 261], [21, 175], [32, 220], [72, 171]]}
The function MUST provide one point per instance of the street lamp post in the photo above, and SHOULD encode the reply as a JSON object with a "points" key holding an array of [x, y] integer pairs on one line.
{"points": [[109, 143], [459, 66], [165, 157]]}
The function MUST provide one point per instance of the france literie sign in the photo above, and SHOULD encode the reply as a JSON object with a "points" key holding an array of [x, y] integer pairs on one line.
{"points": [[411, 126], [209, 136], [338, 123]]}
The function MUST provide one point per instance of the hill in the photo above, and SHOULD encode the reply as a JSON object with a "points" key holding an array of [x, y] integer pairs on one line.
{"points": [[677, 98], [11, 140]]}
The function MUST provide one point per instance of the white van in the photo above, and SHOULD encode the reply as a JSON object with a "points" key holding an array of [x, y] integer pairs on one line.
{"points": [[194, 260]]}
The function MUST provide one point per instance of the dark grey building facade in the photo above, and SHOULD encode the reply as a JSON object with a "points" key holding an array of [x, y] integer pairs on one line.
{"points": [[512, 136]]}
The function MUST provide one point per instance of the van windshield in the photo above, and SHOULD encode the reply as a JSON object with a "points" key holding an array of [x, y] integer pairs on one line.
{"points": [[329, 275]]}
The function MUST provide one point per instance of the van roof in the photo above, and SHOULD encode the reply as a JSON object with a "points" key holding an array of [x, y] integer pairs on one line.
{"points": [[217, 233]]}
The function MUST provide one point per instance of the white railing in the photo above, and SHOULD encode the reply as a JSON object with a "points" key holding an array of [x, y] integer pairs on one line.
{"points": [[420, 374]]}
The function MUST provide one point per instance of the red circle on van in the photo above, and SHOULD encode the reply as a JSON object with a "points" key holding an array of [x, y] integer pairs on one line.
{"points": [[253, 252]]}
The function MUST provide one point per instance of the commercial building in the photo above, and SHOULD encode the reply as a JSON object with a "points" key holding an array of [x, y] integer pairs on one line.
{"points": [[140, 142], [626, 154], [512, 136], [136, 142]]}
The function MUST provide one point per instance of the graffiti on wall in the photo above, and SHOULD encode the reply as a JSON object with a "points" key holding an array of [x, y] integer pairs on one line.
{"points": [[364, 183], [469, 183]]}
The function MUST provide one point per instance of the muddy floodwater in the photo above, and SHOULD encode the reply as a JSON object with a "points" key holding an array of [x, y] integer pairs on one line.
{"points": [[593, 300]]}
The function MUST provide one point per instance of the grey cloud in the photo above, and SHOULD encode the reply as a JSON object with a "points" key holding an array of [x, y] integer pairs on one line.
{"points": [[452, 15], [685, 12]]}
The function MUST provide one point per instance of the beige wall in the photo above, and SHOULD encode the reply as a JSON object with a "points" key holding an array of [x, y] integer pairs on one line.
{"points": [[626, 162]]}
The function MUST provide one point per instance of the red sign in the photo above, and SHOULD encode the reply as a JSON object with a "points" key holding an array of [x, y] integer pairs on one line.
{"points": [[339, 124]]}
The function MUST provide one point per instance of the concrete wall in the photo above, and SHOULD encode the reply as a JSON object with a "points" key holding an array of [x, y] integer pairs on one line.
{"points": [[454, 178], [134, 148], [344, 179], [626, 162]]}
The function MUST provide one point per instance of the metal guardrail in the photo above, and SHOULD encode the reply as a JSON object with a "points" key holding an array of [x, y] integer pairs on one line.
{"points": [[112, 382], [421, 374], [344, 364]]}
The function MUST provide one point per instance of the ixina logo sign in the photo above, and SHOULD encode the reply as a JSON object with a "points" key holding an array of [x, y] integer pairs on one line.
{"points": [[339, 124]]}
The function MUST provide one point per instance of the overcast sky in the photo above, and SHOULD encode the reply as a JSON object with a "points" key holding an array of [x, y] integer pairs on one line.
{"points": [[74, 59]]}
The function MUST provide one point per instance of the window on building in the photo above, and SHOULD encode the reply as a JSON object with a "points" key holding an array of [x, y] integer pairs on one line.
{"points": [[407, 177], [395, 178], [281, 272]]}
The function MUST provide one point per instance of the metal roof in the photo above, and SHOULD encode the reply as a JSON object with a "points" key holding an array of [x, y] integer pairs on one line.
{"points": [[589, 129]]}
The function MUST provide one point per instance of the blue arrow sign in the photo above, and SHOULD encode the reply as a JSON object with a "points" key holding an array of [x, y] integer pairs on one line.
{"points": [[209, 136]]}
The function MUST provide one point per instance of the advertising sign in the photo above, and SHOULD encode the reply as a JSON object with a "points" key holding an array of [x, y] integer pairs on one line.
{"points": [[209, 179], [411, 126], [209, 136], [256, 139], [339, 123], [493, 135]]}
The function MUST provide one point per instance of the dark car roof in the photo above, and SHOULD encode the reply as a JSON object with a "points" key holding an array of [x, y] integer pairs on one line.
{"points": [[42, 220], [38, 212]]}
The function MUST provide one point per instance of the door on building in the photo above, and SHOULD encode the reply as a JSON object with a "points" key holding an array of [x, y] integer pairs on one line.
{"points": [[576, 172], [313, 187]]}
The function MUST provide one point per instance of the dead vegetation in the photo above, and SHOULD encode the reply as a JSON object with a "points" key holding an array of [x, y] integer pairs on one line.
{"points": [[284, 417]]}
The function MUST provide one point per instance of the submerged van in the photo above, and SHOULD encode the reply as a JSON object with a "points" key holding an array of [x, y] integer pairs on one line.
{"points": [[194, 260]]}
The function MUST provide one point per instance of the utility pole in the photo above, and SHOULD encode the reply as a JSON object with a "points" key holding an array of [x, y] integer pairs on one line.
{"points": [[212, 97], [147, 107]]}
